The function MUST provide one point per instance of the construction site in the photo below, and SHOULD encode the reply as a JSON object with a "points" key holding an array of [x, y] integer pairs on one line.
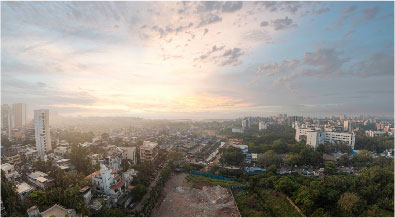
{"points": [[181, 199]]}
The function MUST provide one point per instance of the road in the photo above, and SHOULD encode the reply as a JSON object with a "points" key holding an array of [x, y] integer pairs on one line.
{"points": [[140, 205]]}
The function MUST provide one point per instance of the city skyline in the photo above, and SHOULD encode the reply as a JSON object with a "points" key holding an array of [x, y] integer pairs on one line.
{"points": [[199, 59]]}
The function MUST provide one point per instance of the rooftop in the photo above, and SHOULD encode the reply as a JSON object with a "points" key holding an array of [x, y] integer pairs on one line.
{"points": [[148, 145], [56, 211], [37, 174], [23, 187], [119, 185]]}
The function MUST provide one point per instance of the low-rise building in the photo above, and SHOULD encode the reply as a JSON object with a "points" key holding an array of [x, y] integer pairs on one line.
{"points": [[60, 151], [107, 181], [86, 194], [9, 171], [54, 211], [244, 148], [13, 160], [40, 179], [236, 130], [23, 190]]}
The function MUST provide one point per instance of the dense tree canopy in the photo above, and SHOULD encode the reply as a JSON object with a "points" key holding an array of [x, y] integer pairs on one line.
{"points": [[232, 156]]}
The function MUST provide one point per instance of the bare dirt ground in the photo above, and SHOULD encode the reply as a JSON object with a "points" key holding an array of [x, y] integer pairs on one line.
{"points": [[179, 199]]}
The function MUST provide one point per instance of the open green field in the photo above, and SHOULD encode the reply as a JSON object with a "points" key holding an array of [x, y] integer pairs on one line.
{"points": [[200, 181], [267, 203]]}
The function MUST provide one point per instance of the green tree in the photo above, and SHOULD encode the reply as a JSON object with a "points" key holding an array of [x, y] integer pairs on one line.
{"points": [[362, 159], [269, 158], [351, 204], [344, 160], [138, 192], [232, 156], [286, 185], [330, 168], [8, 194], [78, 157], [292, 159]]}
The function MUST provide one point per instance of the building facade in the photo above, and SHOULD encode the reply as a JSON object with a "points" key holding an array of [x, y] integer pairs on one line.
{"points": [[6, 119], [20, 115], [262, 125], [42, 132], [315, 137], [148, 151], [245, 123]]}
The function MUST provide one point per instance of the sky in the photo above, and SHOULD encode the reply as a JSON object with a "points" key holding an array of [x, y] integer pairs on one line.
{"points": [[199, 59]]}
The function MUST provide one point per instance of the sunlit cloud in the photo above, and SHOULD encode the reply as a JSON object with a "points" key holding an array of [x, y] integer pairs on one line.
{"points": [[139, 58]]}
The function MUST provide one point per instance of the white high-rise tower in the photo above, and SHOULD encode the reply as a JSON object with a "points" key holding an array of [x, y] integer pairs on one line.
{"points": [[42, 133]]}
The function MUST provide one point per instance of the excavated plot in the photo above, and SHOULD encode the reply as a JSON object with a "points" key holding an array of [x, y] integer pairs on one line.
{"points": [[179, 199]]}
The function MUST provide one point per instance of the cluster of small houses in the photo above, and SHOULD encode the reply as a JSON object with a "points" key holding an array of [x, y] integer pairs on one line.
{"points": [[251, 158], [110, 184]]}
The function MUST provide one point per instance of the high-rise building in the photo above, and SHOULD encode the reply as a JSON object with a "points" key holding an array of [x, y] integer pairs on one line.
{"points": [[19, 111], [348, 126], [245, 123], [262, 125], [6, 119], [41, 131], [292, 119]]}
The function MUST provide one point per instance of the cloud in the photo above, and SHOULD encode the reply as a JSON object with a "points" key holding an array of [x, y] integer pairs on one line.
{"points": [[349, 33], [275, 69], [226, 7], [350, 9], [232, 6], [211, 51], [370, 13], [164, 31], [323, 62], [208, 6], [232, 57], [346, 14], [285, 23], [205, 31], [286, 6], [264, 23], [209, 19], [321, 11], [377, 64]]}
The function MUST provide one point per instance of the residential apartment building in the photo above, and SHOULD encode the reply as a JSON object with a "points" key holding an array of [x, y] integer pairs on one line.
{"points": [[148, 151], [107, 181], [20, 115], [42, 132], [262, 125], [245, 123], [372, 133], [6, 119], [129, 153]]}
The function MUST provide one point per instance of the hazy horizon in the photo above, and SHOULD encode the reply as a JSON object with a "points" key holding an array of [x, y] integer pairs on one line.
{"points": [[199, 60]]}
